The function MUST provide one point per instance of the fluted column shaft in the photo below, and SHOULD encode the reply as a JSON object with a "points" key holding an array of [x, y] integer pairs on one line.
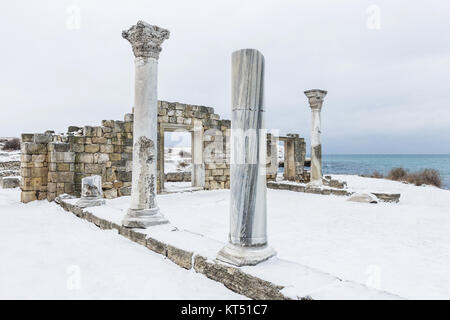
{"points": [[248, 207]]}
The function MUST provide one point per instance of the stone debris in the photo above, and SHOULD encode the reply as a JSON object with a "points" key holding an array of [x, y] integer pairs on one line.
{"points": [[363, 197], [9, 182], [91, 192]]}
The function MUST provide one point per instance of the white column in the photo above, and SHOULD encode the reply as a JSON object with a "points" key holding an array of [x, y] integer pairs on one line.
{"points": [[315, 98], [198, 167], [248, 232], [146, 42]]}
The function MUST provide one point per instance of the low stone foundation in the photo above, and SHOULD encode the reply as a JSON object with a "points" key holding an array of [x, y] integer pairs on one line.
{"points": [[385, 197]]}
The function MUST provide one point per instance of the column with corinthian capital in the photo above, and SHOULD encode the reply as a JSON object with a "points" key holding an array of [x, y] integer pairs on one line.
{"points": [[315, 99], [146, 42]]}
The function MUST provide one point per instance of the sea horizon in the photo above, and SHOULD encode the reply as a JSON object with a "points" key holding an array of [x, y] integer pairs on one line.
{"points": [[366, 164]]}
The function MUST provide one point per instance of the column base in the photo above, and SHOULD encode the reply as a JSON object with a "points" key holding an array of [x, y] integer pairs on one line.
{"points": [[90, 202], [143, 218], [245, 256]]}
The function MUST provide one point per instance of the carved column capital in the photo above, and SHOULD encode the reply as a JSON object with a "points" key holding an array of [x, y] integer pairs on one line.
{"points": [[315, 98], [146, 39]]}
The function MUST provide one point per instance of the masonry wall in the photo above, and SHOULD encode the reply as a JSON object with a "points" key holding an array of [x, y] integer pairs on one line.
{"points": [[53, 164]]}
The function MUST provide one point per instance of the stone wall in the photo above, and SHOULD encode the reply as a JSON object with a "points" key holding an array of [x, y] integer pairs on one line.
{"points": [[294, 158], [53, 164]]}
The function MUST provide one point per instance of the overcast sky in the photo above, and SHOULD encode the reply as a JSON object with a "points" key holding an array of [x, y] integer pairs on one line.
{"points": [[388, 80]]}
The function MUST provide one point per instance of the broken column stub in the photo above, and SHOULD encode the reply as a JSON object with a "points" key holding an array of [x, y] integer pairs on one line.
{"points": [[91, 192], [146, 41], [248, 222]]}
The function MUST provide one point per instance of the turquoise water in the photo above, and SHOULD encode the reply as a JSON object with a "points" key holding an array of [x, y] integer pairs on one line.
{"points": [[366, 164]]}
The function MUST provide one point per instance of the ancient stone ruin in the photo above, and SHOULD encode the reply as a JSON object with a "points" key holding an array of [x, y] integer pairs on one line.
{"points": [[53, 164]]}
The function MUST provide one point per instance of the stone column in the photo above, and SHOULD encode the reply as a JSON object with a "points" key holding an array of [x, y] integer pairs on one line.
{"points": [[198, 167], [248, 235], [146, 42], [315, 98]]}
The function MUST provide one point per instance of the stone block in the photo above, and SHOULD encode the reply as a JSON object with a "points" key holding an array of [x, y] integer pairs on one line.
{"points": [[27, 137], [101, 158], [28, 196], [38, 158], [25, 172], [180, 257], [108, 123], [238, 281], [84, 158], [9, 182], [128, 117], [29, 184], [107, 130], [124, 175], [91, 148], [99, 140], [119, 126], [79, 140], [88, 131], [110, 194], [109, 175], [51, 187], [156, 246], [125, 191], [388, 197], [39, 172], [26, 158], [73, 129], [115, 157], [128, 127], [93, 168], [61, 177], [106, 148], [33, 148], [42, 138], [78, 147], [62, 166], [61, 156]]}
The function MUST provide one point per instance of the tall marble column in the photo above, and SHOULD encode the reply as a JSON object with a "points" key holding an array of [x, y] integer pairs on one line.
{"points": [[146, 42], [248, 232], [315, 98]]}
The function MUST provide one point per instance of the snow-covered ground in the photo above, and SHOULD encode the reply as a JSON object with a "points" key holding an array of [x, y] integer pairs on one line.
{"points": [[46, 253], [401, 248]]}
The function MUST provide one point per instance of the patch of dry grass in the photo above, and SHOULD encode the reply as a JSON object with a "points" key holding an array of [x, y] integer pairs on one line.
{"points": [[13, 144], [425, 176]]}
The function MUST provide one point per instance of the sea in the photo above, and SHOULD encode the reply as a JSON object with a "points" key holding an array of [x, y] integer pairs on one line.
{"points": [[383, 163]]}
